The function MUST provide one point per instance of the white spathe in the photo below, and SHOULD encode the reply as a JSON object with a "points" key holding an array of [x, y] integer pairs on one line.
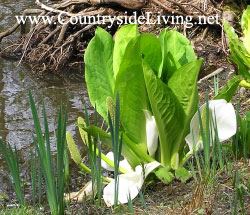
{"points": [[124, 163], [223, 114], [151, 133], [129, 184]]}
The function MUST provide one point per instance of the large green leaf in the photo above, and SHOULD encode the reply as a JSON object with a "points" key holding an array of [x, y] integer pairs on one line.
{"points": [[228, 91], [177, 50], [245, 21], [243, 69], [239, 53], [99, 74], [151, 51], [182, 174], [183, 83], [168, 113], [133, 95], [164, 175], [123, 36]]}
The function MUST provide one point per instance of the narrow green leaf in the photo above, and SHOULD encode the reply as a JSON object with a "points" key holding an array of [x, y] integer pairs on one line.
{"points": [[44, 159], [183, 83], [133, 96], [168, 113]]}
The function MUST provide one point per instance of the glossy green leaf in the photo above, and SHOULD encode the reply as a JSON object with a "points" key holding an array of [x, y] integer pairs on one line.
{"points": [[167, 111], [164, 175], [229, 90], [178, 51], [183, 83], [99, 70], [133, 95], [182, 174], [242, 68], [239, 53], [245, 21], [151, 51], [123, 36]]}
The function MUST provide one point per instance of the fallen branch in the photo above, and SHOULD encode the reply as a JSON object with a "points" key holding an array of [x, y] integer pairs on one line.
{"points": [[54, 10], [130, 4], [51, 35], [216, 72]]}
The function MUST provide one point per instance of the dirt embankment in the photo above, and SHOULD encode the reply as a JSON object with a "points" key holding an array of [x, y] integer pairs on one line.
{"points": [[53, 47]]}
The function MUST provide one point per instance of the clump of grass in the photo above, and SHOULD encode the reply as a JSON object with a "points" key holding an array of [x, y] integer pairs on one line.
{"points": [[241, 141], [213, 156], [54, 180], [11, 158], [116, 144], [19, 211], [94, 152]]}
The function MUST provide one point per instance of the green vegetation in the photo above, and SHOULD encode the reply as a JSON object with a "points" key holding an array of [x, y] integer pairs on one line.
{"points": [[240, 55], [149, 74], [19, 211], [13, 164]]}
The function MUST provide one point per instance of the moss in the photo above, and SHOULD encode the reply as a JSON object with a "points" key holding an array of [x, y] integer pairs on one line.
{"points": [[234, 7], [18, 211]]}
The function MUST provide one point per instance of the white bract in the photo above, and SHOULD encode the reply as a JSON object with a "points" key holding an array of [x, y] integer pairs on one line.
{"points": [[221, 113], [124, 163], [129, 184], [151, 133]]}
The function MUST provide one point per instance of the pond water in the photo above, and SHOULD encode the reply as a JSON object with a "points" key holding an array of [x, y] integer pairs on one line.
{"points": [[16, 123]]}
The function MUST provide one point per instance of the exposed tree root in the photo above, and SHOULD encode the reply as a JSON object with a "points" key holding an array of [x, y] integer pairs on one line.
{"points": [[53, 46]]}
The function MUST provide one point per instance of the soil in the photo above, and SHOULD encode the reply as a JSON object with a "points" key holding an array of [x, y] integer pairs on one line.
{"points": [[41, 48]]}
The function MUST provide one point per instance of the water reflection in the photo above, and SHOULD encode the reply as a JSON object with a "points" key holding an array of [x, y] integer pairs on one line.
{"points": [[16, 123]]}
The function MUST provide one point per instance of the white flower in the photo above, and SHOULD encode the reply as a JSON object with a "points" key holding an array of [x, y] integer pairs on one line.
{"points": [[123, 164], [221, 113], [129, 184], [151, 133]]}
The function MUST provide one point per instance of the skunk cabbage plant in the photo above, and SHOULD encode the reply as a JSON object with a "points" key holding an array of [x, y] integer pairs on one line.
{"points": [[240, 55], [157, 82], [156, 79]]}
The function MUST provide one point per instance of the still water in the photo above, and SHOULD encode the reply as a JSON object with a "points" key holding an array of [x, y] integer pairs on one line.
{"points": [[16, 123]]}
